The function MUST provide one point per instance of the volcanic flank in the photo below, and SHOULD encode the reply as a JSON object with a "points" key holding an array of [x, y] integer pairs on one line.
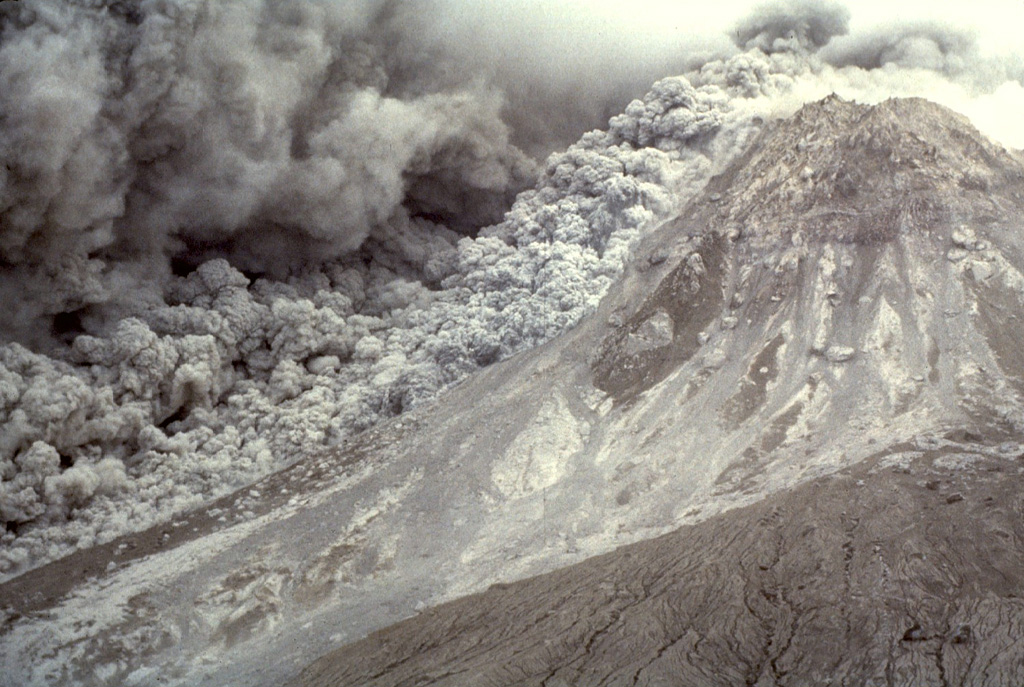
{"points": [[885, 233], [813, 370], [851, 295]]}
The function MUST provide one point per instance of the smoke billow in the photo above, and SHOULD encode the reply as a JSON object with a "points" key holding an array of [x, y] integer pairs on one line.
{"points": [[925, 45], [135, 134], [232, 231], [953, 52], [138, 137], [794, 26]]}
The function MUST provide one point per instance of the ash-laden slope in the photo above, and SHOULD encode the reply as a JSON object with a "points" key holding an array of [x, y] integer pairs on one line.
{"points": [[852, 290], [852, 286], [902, 570]]}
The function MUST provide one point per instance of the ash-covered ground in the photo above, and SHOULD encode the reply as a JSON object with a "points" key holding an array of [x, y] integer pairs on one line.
{"points": [[841, 356]]}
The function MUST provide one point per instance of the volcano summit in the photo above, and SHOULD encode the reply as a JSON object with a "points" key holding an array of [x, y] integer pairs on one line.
{"points": [[831, 333], [814, 372]]}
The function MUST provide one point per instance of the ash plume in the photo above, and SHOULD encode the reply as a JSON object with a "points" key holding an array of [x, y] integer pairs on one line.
{"points": [[794, 25], [923, 45], [955, 52], [233, 231], [277, 135], [143, 133]]}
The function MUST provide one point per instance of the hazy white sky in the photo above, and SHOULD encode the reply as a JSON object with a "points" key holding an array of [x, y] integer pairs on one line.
{"points": [[580, 42], [998, 21]]}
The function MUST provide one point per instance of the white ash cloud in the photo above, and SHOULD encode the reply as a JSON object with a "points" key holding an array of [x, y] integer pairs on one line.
{"points": [[258, 228]]}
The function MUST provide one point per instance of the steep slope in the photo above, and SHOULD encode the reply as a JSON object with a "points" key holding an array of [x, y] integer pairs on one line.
{"points": [[866, 292], [857, 287], [850, 286]]}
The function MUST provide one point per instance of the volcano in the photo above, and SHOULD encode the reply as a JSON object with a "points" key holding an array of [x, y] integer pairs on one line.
{"points": [[792, 432], [831, 332]]}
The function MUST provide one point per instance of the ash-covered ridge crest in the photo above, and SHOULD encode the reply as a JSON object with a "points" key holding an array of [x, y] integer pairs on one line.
{"points": [[836, 229], [847, 172]]}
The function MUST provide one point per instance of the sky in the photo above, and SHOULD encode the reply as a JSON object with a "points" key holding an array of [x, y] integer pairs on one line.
{"points": [[997, 20], [608, 51]]}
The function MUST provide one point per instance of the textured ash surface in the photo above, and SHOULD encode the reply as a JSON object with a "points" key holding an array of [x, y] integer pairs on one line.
{"points": [[904, 570]]}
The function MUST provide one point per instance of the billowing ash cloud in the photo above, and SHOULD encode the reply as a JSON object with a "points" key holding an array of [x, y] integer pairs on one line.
{"points": [[793, 25], [269, 132], [232, 231], [922, 45], [138, 136]]}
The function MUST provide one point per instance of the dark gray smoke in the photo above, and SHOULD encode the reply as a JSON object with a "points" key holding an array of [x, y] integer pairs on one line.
{"points": [[924, 45], [139, 137], [794, 25]]}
